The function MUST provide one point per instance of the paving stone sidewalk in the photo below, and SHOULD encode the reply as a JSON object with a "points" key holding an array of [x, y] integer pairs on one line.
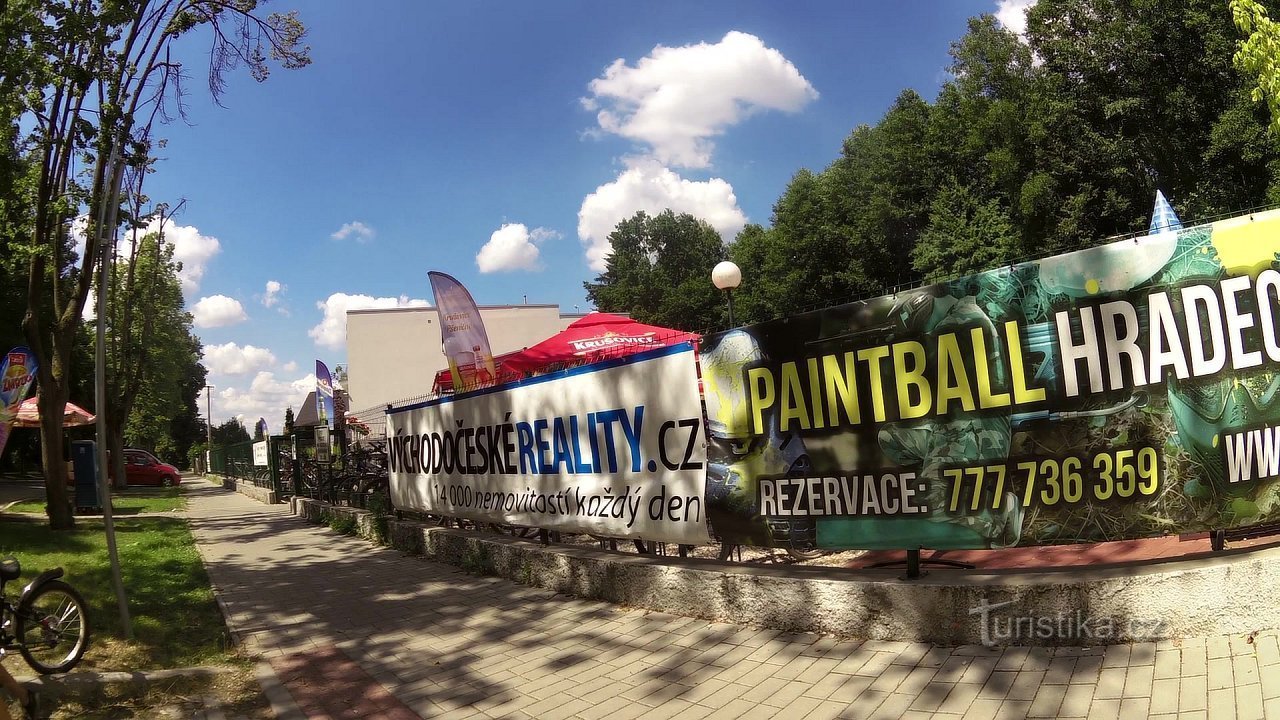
{"points": [[355, 631]]}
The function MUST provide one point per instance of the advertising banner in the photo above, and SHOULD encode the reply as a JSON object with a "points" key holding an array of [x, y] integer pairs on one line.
{"points": [[16, 375], [324, 445], [466, 345], [614, 449], [324, 395], [1123, 391], [260, 453]]}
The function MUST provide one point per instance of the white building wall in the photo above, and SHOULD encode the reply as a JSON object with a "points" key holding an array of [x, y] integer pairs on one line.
{"points": [[395, 353]]}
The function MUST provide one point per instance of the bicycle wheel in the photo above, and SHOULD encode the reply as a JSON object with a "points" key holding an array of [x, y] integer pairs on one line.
{"points": [[53, 628], [798, 554], [372, 483], [310, 480]]}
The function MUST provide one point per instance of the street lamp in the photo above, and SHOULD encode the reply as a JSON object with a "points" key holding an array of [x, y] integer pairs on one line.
{"points": [[208, 426], [726, 276]]}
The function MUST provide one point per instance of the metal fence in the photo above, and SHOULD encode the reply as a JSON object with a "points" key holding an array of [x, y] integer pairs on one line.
{"points": [[237, 463], [292, 468], [368, 426]]}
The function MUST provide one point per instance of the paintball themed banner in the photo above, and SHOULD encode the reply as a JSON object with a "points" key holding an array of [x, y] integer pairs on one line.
{"points": [[1123, 391], [16, 375], [614, 449], [466, 344]]}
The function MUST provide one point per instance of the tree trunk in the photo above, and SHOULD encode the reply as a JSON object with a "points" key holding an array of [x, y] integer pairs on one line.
{"points": [[53, 402]]}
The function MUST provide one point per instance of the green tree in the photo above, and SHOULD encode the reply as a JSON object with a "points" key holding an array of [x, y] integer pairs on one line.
{"points": [[978, 137], [660, 272], [766, 275], [848, 231], [154, 372], [147, 334], [1259, 53], [18, 60], [91, 78], [230, 432], [1063, 142], [288, 422], [879, 192], [1135, 96], [812, 253], [187, 426], [966, 235]]}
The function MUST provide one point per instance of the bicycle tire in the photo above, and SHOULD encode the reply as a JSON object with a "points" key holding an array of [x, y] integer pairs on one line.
{"points": [[799, 554], [309, 479], [54, 625], [372, 483]]}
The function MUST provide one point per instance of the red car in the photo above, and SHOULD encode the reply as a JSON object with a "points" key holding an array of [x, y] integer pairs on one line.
{"points": [[142, 468]]}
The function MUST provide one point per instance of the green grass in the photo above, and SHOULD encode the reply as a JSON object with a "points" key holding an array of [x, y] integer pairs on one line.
{"points": [[127, 502], [176, 620]]}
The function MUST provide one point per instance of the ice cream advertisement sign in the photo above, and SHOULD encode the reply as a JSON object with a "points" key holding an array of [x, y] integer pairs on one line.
{"points": [[16, 376]]}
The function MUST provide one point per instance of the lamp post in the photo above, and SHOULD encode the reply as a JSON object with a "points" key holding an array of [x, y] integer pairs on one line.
{"points": [[208, 426], [727, 276]]}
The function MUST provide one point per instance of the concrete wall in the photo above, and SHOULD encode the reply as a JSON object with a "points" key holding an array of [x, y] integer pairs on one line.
{"points": [[395, 353], [1234, 592], [262, 495]]}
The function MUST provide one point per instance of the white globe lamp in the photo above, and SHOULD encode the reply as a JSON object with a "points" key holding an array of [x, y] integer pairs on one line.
{"points": [[726, 276]]}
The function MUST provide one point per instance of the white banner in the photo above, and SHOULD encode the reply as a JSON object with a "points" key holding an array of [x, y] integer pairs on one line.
{"points": [[260, 453], [615, 448]]}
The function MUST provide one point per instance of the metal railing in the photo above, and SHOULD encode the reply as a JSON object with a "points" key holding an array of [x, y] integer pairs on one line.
{"points": [[236, 462]]}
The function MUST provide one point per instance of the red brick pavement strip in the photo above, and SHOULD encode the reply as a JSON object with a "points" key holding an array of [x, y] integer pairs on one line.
{"points": [[328, 685]]}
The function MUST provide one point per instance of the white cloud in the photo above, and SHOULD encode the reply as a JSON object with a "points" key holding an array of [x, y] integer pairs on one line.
{"points": [[265, 397], [272, 295], [513, 247], [676, 99], [190, 248], [290, 366], [232, 359], [78, 228], [1012, 14], [649, 187], [218, 311], [332, 330], [356, 229]]}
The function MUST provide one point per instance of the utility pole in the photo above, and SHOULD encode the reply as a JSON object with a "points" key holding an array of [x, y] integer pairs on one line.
{"points": [[106, 248], [208, 426]]}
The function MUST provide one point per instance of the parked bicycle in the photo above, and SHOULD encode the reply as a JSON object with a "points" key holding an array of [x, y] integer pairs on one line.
{"points": [[367, 468], [48, 624], [349, 480]]}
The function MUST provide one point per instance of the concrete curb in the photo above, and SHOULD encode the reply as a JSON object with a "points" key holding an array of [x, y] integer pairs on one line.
{"points": [[86, 687], [82, 685], [1233, 592], [283, 706], [249, 490]]}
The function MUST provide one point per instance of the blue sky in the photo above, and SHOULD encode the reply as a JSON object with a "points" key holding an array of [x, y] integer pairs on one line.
{"points": [[500, 142]]}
